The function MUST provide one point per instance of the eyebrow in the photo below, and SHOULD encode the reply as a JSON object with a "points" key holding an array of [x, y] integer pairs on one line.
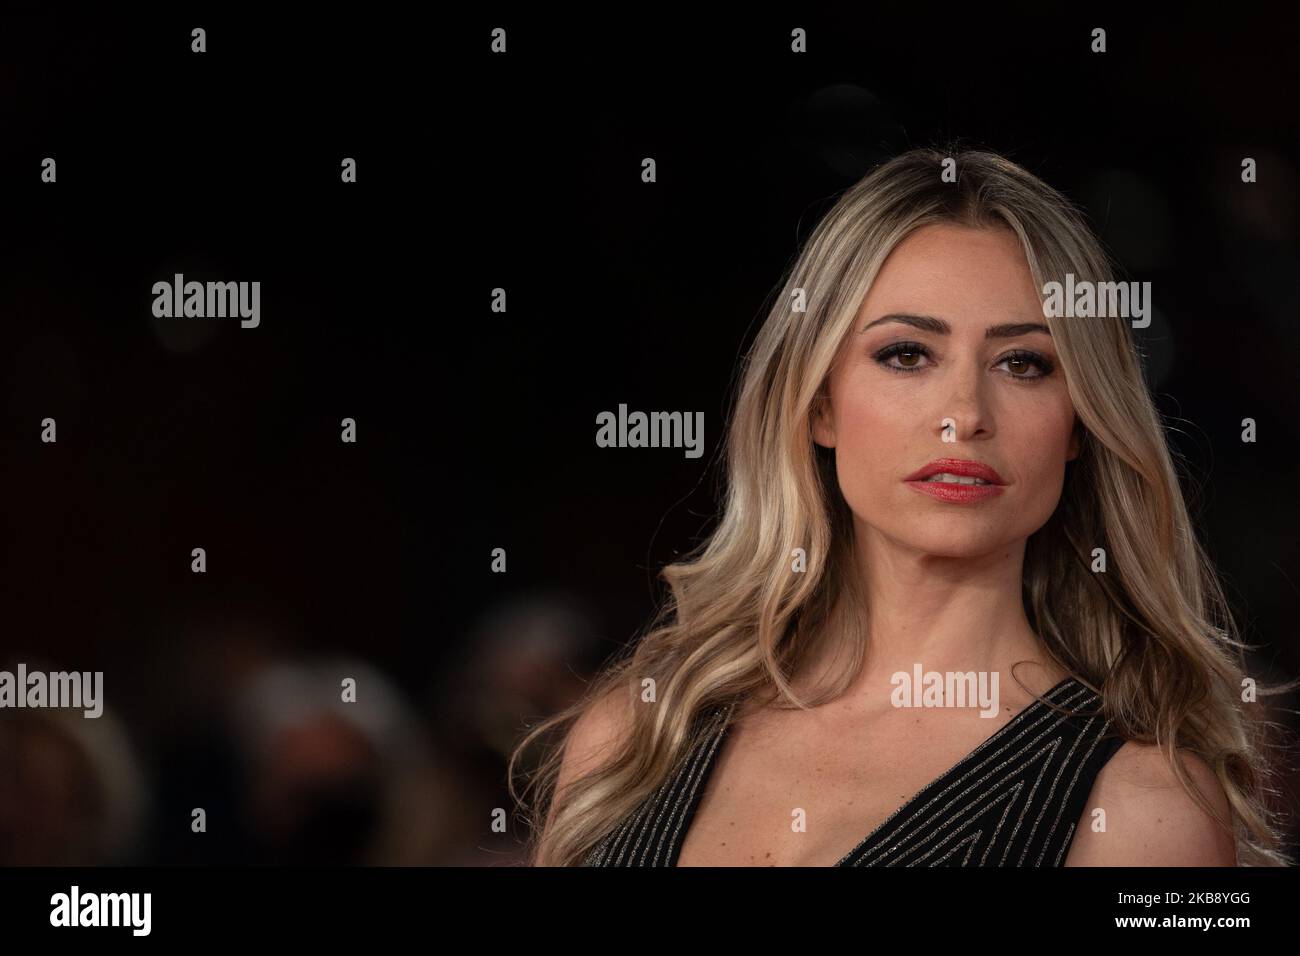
{"points": [[928, 323]]}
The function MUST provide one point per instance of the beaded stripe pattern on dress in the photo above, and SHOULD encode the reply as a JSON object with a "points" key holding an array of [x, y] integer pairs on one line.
{"points": [[1016, 790], [890, 845], [683, 797]]}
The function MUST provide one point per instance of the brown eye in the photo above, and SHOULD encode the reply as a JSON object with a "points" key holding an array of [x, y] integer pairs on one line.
{"points": [[902, 356], [1026, 365]]}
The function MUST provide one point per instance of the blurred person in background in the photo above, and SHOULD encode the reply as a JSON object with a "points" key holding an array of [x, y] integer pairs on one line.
{"points": [[328, 780], [72, 792], [525, 657]]}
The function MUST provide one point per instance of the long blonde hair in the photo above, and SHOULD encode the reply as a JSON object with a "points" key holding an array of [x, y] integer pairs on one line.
{"points": [[1154, 634]]}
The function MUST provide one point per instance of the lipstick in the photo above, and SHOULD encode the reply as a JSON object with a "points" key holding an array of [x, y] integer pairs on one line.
{"points": [[957, 480]]}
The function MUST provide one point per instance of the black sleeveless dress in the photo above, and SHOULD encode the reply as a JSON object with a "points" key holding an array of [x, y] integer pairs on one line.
{"points": [[1012, 801]]}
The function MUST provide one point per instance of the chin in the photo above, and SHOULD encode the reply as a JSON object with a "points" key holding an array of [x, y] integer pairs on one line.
{"points": [[951, 540], [948, 550]]}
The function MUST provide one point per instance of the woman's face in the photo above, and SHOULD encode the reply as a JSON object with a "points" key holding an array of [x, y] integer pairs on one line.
{"points": [[950, 358]]}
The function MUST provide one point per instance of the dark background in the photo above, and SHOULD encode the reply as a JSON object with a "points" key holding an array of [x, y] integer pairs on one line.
{"points": [[476, 429]]}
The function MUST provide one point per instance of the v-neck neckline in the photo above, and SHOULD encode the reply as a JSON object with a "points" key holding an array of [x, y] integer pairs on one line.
{"points": [[912, 801]]}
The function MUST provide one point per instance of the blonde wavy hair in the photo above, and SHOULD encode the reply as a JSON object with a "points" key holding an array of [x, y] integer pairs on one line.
{"points": [[1153, 635]]}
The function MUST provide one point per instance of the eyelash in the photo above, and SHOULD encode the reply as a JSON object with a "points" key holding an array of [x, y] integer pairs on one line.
{"points": [[1043, 364]]}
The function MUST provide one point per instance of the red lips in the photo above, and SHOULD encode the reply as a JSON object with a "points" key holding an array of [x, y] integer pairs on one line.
{"points": [[957, 466]]}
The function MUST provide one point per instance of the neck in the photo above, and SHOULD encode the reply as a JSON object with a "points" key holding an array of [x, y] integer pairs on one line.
{"points": [[947, 614]]}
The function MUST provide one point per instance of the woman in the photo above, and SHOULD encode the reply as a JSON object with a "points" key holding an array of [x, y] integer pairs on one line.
{"points": [[935, 484]]}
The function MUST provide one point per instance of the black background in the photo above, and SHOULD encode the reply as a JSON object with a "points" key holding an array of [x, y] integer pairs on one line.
{"points": [[476, 429]]}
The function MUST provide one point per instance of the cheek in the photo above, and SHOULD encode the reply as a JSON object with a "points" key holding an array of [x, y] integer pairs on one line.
{"points": [[871, 442], [1039, 446], [867, 432], [866, 422]]}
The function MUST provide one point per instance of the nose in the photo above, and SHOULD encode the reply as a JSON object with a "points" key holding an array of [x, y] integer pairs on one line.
{"points": [[965, 414]]}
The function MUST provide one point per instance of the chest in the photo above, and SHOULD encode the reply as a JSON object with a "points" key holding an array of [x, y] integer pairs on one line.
{"points": [[801, 789]]}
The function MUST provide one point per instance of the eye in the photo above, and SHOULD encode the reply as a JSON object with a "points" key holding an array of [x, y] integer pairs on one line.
{"points": [[909, 355], [1022, 364]]}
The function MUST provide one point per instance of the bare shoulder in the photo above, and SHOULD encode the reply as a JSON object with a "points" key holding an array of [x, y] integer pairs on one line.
{"points": [[592, 740], [1149, 818], [595, 736]]}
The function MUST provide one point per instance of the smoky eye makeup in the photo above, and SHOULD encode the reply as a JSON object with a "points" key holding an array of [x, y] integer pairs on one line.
{"points": [[1030, 358], [908, 357]]}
